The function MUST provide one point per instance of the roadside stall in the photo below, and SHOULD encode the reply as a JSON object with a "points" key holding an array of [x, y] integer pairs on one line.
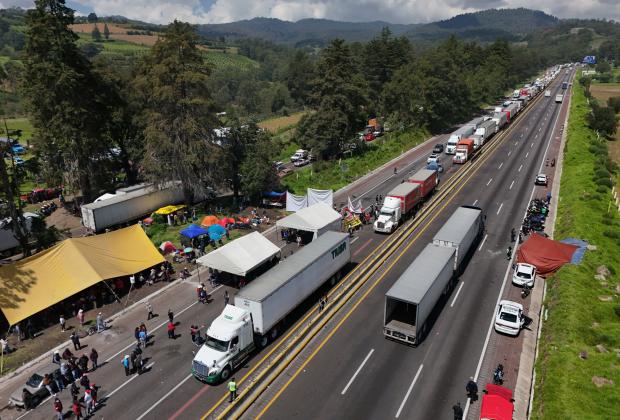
{"points": [[309, 223]]}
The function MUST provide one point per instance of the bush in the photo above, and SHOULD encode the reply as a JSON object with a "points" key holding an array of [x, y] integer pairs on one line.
{"points": [[617, 310], [601, 173], [605, 181], [613, 234]]}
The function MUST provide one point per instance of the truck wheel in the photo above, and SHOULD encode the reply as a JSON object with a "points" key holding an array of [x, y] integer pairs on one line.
{"points": [[274, 333], [225, 374], [263, 341]]}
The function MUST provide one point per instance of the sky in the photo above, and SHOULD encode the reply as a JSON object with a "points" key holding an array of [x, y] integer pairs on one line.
{"points": [[394, 11]]}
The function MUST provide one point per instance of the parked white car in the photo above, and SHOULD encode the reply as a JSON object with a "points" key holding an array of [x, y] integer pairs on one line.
{"points": [[524, 275], [509, 317]]}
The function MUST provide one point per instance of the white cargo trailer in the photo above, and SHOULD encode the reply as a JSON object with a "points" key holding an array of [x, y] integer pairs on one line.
{"points": [[261, 306], [411, 299], [129, 205], [274, 294], [463, 228]]}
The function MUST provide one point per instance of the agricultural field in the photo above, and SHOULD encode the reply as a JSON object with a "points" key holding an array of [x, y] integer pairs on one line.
{"points": [[225, 61], [602, 92], [277, 124]]}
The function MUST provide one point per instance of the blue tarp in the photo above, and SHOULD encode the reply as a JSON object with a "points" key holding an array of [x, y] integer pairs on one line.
{"points": [[216, 232], [274, 194], [578, 255], [193, 231]]}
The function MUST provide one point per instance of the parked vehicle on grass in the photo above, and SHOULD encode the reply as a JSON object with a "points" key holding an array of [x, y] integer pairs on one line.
{"points": [[33, 386]]}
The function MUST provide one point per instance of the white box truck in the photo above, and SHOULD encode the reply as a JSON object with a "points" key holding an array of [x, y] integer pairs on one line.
{"points": [[412, 298], [260, 307], [463, 228], [129, 204]]}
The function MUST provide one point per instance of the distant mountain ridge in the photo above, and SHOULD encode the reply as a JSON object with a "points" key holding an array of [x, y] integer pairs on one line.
{"points": [[487, 25]]}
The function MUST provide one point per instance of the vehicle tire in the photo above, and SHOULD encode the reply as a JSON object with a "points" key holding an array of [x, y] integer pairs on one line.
{"points": [[225, 374], [263, 341], [273, 334], [332, 280]]}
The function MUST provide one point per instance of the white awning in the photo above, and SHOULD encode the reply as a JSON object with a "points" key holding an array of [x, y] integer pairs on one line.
{"points": [[242, 255], [317, 218]]}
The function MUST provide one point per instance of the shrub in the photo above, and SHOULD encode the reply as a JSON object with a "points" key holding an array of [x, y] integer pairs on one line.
{"points": [[613, 234]]}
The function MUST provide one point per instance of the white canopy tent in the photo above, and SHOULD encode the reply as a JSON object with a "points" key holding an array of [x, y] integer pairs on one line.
{"points": [[242, 255], [317, 218]]}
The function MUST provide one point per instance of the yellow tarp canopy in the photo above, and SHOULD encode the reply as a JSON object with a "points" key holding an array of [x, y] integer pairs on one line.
{"points": [[164, 211], [38, 282]]}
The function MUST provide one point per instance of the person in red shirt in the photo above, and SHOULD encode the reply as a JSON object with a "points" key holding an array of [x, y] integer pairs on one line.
{"points": [[58, 408], [77, 409], [171, 330]]}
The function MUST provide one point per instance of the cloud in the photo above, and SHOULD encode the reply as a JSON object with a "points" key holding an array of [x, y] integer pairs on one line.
{"points": [[24, 4], [395, 11]]}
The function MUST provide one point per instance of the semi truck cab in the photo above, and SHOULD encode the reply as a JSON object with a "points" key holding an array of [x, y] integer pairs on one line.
{"points": [[389, 216], [229, 341], [451, 145]]}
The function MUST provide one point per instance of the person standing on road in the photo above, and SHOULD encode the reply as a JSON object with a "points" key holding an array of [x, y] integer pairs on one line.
{"points": [[149, 308], [80, 317], [226, 297], [509, 253], [472, 389], [58, 409], [77, 409], [170, 315], [548, 197], [125, 363], [100, 323], [232, 389], [76, 341], [88, 401], [458, 411], [171, 330], [63, 323], [93, 357]]}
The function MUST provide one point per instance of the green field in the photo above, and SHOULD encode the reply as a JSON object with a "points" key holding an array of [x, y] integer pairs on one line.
{"points": [[226, 60], [579, 318], [336, 174], [19, 124], [114, 46]]}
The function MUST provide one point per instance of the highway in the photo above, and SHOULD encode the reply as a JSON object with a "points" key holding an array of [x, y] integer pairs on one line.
{"points": [[354, 372]]}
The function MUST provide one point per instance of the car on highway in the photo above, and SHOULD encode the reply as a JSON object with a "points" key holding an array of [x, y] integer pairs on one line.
{"points": [[524, 275], [509, 317], [547, 93], [33, 385], [541, 179], [433, 158], [438, 148]]}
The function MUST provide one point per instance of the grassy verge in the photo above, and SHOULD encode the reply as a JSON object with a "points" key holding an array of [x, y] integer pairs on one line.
{"points": [[579, 318], [20, 124], [332, 175]]}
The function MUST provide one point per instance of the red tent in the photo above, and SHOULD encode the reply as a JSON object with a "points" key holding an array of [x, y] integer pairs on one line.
{"points": [[496, 403], [544, 253], [223, 222], [167, 247]]}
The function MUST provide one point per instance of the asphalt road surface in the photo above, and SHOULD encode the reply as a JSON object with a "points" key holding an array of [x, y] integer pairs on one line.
{"points": [[441, 364], [357, 373]]}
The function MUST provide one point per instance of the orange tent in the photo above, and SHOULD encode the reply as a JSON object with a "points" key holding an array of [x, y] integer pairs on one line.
{"points": [[209, 220]]}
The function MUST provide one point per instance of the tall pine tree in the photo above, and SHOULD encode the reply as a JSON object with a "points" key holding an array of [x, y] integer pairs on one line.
{"points": [[179, 116], [63, 96], [338, 97]]}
